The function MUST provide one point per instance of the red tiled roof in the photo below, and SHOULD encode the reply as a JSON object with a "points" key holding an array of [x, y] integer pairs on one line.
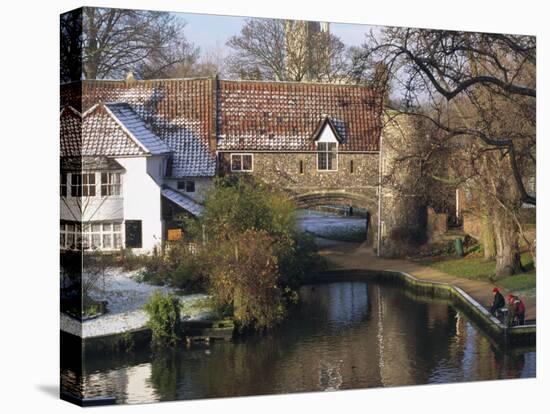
{"points": [[284, 116], [193, 115]]}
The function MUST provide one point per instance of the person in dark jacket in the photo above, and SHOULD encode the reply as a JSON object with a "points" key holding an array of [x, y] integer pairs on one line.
{"points": [[498, 302]]}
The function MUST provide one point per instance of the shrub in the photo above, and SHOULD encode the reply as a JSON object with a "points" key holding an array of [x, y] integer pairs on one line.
{"points": [[244, 276], [178, 267], [164, 318]]}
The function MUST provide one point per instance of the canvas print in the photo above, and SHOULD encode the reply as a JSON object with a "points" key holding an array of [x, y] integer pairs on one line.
{"points": [[255, 206]]}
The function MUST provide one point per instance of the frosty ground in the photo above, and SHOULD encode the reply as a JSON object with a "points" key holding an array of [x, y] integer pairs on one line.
{"points": [[125, 298]]}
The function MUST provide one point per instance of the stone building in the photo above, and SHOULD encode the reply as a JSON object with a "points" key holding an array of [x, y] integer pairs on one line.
{"points": [[320, 143]]}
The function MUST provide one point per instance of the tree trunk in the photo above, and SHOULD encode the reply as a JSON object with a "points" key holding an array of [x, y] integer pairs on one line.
{"points": [[507, 243], [488, 237]]}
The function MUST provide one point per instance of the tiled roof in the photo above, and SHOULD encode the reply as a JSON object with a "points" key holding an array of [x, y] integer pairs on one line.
{"points": [[194, 117], [179, 112], [137, 128], [97, 133], [183, 201], [285, 116], [70, 132]]}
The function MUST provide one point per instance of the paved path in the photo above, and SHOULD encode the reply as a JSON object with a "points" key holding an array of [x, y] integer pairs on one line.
{"points": [[346, 255]]}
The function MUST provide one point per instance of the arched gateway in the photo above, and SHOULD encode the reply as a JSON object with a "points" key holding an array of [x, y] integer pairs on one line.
{"points": [[369, 204]]}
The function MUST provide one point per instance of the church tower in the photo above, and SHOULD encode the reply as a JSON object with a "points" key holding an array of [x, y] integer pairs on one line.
{"points": [[307, 50]]}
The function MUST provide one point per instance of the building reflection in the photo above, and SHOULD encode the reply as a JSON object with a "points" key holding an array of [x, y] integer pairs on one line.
{"points": [[344, 335]]}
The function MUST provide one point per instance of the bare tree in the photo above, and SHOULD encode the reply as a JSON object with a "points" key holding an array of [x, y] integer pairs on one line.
{"points": [[115, 41], [479, 91], [258, 51], [70, 56], [271, 49]]}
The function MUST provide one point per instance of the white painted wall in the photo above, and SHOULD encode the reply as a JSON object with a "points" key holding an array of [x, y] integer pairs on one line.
{"points": [[141, 193]]}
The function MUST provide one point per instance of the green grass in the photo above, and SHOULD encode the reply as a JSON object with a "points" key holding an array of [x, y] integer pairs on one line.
{"points": [[522, 282], [481, 269]]}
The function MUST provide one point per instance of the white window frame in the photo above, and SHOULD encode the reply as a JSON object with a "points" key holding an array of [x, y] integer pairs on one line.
{"points": [[242, 154], [110, 184], [98, 183], [86, 231], [318, 152], [88, 186]]}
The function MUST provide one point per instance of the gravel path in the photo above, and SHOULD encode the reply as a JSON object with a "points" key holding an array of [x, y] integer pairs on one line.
{"points": [[125, 297]]}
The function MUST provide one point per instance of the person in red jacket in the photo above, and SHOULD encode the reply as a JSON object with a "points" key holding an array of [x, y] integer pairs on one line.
{"points": [[516, 308]]}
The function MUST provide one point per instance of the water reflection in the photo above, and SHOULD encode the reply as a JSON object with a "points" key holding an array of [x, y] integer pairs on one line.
{"points": [[343, 335]]}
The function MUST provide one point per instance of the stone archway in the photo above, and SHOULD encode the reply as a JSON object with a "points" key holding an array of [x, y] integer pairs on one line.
{"points": [[343, 198]]}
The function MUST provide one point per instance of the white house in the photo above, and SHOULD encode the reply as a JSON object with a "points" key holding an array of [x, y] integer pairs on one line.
{"points": [[116, 174]]}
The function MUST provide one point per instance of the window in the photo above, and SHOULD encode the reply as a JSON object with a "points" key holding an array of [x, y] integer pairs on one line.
{"points": [[110, 184], [241, 162], [91, 236], [88, 185], [327, 156], [83, 185], [351, 170], [63, 185], [187, 186], [133, 233], [76, 185], [301, 166]]}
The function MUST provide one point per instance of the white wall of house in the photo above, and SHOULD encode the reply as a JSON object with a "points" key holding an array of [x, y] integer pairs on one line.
{"points": [[141, 190], [202, 186]]}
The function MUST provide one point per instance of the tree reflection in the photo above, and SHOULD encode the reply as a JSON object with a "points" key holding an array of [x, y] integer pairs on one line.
{"points": [[165, 371]]}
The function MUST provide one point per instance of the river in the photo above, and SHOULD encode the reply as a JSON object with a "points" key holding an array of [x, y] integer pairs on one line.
{"points": [[343, 335]]}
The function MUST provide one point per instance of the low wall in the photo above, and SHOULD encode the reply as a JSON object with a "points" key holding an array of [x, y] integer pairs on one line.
{"points": [[496, 330]]}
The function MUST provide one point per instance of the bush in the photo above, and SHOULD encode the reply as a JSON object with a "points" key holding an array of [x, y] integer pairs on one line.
{"points": [[178, 267], [164, 318], [244, 276]]}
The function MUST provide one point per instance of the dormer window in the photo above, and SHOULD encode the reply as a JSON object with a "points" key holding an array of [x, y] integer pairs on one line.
{"points": [[327, 140], [327, 156]]}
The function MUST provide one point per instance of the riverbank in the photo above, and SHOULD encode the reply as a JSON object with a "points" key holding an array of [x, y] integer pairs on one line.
{"points": [[125, 296], [347, 256]]}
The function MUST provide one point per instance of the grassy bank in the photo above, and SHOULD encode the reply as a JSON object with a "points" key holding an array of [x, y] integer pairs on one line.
{"points": [[480, 269]]}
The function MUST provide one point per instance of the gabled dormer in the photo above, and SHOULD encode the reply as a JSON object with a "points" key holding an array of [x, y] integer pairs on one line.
{"points": [[327, 140]]}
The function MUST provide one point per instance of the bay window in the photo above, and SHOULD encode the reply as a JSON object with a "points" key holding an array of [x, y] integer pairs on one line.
{"points": [[110, 184], [83, 185], [91, 236]]}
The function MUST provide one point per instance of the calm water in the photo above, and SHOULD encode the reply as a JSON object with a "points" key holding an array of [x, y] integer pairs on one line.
{"points": [[342, 336]]}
